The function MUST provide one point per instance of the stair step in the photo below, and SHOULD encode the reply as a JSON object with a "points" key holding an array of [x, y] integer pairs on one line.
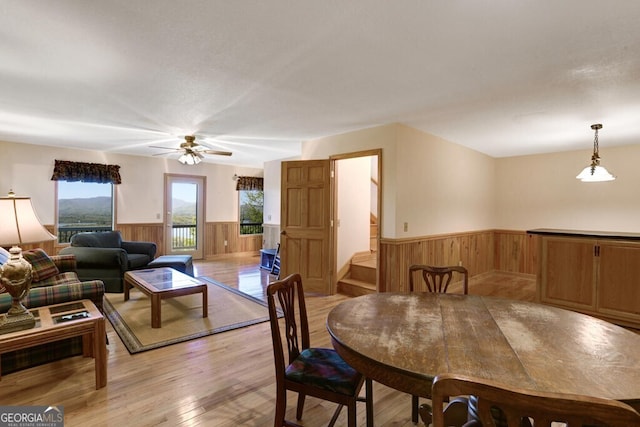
{"points": [[364, 258], [355, 288], [365, 272]]}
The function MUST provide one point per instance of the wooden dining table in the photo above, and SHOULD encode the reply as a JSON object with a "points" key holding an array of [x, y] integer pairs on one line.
{"points": [[404, 340]]}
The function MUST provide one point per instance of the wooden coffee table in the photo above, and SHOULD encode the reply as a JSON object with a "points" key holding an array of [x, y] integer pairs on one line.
{"points": [[162, 283], [84, 320]]}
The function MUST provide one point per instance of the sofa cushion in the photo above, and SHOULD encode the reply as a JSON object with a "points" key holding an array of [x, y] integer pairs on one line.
{"points": [[43, 266], [103, 239], [87, 240], [136, 261]]}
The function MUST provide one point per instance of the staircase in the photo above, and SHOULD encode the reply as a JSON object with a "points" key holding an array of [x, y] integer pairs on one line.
{"points": [[361, 277]]}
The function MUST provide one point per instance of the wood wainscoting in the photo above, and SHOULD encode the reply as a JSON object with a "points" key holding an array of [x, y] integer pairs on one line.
{"points": [[480, 252], [215, 235], [512, 251], [515, 252], [144, 232]]}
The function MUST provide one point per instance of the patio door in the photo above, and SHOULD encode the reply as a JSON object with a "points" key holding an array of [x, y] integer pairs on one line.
{"points": [[184, 215]]}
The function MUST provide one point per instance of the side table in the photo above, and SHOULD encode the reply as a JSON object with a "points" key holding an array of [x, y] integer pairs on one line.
{"points": [[61, 321]]}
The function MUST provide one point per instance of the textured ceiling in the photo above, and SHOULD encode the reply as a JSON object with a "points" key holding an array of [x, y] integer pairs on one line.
{"points": [[257, 78]]}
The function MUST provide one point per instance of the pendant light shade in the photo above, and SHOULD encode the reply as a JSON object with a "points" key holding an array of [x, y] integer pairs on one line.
{"points": [[594, 172]]}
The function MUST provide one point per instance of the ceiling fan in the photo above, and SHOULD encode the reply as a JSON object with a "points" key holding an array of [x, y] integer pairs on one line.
{"points": [[191, 152]]}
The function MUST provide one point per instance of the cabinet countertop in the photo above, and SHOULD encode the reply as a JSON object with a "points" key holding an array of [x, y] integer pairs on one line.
{"points": [[620, 235]]}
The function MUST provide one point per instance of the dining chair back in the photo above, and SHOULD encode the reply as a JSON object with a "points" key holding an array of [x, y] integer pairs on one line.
{"points": [[434, 279], [317, 372], [524, 407], [437, 279]]}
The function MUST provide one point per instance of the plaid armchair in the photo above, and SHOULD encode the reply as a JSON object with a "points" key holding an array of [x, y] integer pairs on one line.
{"points": [[54, 281]]}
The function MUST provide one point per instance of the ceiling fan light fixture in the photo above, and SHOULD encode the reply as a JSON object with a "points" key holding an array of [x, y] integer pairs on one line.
{"points": [[189, 158], [594, 172], [191, 153]]}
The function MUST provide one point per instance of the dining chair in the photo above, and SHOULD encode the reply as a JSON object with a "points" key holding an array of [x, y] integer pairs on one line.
{"points": [[309, 371], [437, 279], [434, 279], [525, 407]]}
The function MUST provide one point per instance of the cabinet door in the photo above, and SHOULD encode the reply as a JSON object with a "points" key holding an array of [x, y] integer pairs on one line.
{"points": [[619, 279], [569, 277]]}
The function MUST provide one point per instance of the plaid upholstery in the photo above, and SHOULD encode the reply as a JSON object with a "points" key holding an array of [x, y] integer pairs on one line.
{"points": [[323, 368], [63, 287], [66, 292], [43, 266], [65, 263], [59, 279]]}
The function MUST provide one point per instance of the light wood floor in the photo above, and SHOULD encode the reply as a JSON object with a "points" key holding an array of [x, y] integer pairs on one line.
{"points": [[221, 380]]}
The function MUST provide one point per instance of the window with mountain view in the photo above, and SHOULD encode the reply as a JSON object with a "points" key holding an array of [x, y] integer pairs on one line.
{"points": [[251, 207], [83, 206]]}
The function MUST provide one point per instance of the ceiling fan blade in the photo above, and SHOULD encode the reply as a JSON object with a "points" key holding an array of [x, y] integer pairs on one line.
{"points": [[217, 153], [164, 148], [163, 154]]}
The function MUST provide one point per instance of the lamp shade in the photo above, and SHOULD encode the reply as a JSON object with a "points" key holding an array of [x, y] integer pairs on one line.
{"points": [[189, 158], [595, 173], [19, 223]]}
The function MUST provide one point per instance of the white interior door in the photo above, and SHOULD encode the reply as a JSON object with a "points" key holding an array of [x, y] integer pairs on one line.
{"points": [[184, 215]]}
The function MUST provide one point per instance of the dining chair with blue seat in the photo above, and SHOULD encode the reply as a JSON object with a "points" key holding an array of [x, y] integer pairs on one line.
{"points": [[317, 372]]}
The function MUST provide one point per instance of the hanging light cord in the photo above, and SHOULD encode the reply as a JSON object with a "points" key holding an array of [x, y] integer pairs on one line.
{"points": [[595, 158]]}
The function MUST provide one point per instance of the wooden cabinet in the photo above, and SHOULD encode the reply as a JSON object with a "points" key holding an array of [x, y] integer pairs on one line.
{"points": [[618, 290], [591, 272]]}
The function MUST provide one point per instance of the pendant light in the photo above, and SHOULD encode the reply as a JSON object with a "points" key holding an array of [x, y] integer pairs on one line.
{"points": [[594, 172]]}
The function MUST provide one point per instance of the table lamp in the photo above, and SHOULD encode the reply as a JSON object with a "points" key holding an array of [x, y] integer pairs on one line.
{"points": [[19, 224]]}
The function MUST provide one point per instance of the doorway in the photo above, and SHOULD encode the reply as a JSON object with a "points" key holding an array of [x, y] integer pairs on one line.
{"points": [[356, 214], [309, 218], [184, 215]]}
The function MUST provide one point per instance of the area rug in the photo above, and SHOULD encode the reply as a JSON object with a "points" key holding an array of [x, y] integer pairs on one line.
{"points": [[181, 316]]}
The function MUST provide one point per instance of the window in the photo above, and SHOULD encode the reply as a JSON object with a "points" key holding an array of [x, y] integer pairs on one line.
{"points": [[251, 206], [83, 206]]}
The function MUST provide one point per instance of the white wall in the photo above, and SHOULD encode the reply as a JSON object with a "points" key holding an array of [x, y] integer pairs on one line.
{"points": [[541, 191], [353, 207], [445, 187], [272, 188], [440, 187], [382, 137], [27, 169], [433, 185]]}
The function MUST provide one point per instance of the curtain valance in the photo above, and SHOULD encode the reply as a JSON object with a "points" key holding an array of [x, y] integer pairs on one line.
{"points": [[248, 183], [87, 172]]}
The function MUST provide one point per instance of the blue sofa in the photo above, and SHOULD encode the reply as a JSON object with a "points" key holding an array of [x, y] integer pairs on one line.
{"points": [[105, 256]]}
